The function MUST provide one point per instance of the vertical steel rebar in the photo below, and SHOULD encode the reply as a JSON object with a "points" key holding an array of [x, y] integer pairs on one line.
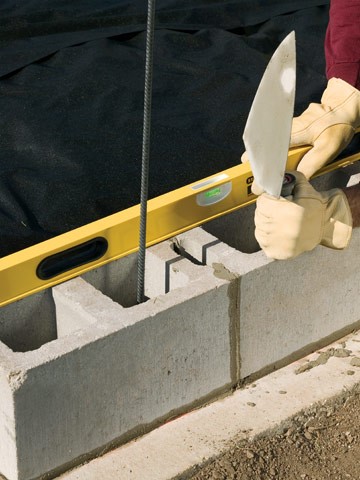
{"points": [[150, 27]]}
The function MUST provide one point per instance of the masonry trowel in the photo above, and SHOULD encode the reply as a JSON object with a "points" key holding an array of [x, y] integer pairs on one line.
{"points": [[268, 127]]}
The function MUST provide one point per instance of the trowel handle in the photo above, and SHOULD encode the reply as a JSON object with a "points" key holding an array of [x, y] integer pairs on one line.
{"points": [[288, 184]]}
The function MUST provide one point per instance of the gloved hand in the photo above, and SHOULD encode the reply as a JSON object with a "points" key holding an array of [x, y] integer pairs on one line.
{"points": [[328, 126], [287, 227]]}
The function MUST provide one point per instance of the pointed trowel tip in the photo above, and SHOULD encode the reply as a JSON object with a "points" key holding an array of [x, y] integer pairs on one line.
{"points": [[290, 38], [288, 43], [288, 75]]}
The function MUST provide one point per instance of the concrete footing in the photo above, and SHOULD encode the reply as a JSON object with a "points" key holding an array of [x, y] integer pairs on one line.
{"points": [[83, 368]]}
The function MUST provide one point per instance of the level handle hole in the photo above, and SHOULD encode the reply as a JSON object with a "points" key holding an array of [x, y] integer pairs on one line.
{"points": [[73, 257]]}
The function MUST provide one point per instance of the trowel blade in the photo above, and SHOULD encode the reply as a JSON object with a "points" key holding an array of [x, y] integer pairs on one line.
{"points": [[268, 127]]}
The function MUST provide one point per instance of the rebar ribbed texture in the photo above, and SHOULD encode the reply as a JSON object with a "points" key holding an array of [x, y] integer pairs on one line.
{"points": [[150, 27]]}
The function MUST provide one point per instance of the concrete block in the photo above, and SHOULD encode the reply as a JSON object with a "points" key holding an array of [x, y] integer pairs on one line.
{"points": [[8, 454], [162, 264], [167, 270], [117, 280], [73, 302], [353, 180], [29, 323], [113, 373], [236, 229], [291, 308], [286, 308], [200, 244]]}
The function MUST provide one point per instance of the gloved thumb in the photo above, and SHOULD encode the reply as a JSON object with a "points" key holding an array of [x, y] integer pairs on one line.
{"points": [[326, 148]]}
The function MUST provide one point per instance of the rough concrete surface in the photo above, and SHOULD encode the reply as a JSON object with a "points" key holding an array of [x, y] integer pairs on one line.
{"points": [[270, 303], [179, 448], [27, 324], [114, 373]]}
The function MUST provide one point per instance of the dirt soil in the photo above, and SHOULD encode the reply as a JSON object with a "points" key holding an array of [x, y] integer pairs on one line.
{"points": [[322, 443]]}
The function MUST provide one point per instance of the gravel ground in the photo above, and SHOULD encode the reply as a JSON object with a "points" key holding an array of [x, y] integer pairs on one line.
{"points": [[321, 443]]}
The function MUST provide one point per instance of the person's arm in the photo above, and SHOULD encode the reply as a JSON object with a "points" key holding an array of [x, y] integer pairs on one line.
{"points": [[342, 42], [353, 198], [329, 126], [342, 54]]}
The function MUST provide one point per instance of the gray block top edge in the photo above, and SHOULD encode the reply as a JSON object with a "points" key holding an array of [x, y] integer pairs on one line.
{"points": [[51, 351]]}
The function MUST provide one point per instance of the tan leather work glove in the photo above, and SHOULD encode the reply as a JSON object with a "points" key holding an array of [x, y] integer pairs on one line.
{"points": [[328, 126], [287, 227]]}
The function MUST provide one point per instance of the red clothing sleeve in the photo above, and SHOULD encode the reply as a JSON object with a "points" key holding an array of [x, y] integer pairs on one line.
{"points": [[342, 41]]}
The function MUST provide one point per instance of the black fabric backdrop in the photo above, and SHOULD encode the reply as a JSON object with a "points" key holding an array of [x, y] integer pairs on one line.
{"points": [[71, 99]]}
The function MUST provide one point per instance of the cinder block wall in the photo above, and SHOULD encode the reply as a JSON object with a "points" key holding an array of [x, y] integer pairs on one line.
{"points": [[83, 368]]}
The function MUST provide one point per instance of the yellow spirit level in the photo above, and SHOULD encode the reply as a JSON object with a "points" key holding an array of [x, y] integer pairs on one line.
{"points": [[73, 253]]}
